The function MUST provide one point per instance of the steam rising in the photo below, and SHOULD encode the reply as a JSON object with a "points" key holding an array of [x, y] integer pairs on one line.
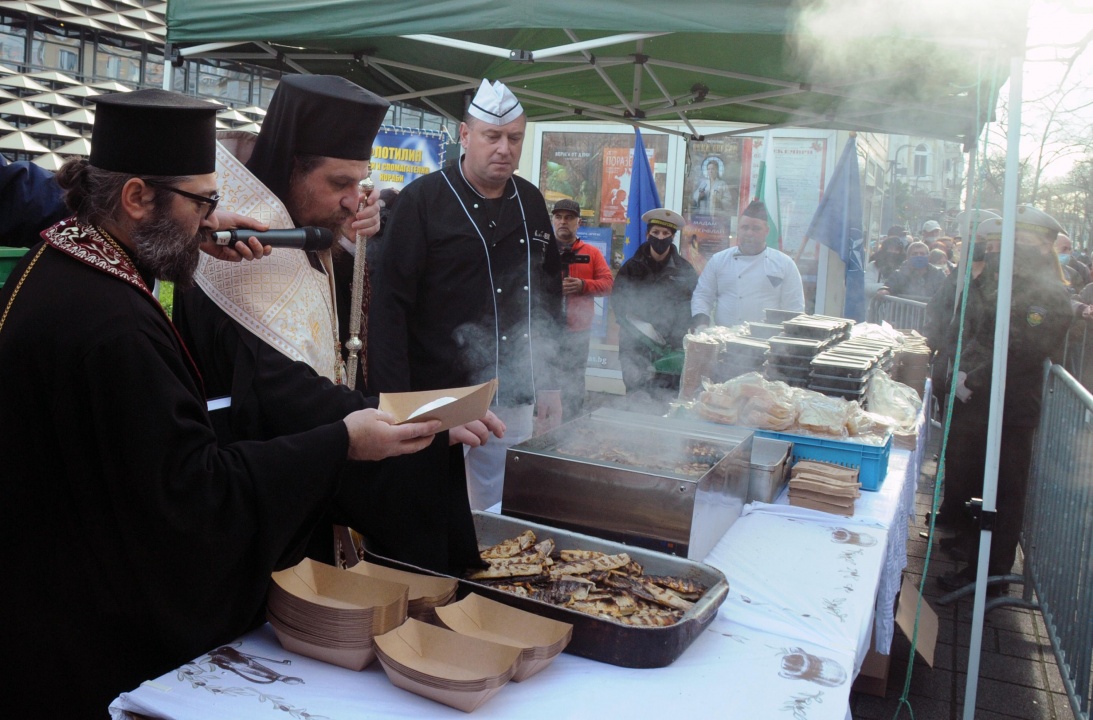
{"points": [[907, 45]]}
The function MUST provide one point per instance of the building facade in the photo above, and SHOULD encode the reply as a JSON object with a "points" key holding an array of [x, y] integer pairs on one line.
{"points": [[55, 55]]}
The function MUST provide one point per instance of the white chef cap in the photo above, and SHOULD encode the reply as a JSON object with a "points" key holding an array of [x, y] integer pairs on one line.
{"points": [[495, 104]]}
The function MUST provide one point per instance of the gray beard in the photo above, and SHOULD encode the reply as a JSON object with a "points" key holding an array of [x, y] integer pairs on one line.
{"points": [[164, 249]]}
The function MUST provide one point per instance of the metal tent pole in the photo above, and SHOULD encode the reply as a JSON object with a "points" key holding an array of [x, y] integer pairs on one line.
{"points": [[998, 386]]}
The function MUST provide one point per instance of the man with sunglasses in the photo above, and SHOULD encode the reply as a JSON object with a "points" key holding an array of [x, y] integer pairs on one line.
{"points": [[138, 541]]}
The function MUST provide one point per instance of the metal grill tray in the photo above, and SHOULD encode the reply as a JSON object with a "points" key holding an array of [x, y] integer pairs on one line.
{"points": [[593, 637], [774, 315], [763, 331], [840, 382], [801, 347]]}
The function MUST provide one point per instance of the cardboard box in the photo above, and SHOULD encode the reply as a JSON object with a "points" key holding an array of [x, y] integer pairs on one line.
{"points": [[451, 406], [873, 677]]}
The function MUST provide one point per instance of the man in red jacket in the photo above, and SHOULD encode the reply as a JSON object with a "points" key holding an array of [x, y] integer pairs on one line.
{"points": [[585, 275]]}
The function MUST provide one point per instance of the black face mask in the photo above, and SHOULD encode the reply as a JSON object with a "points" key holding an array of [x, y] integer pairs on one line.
{"points": [[993, 260], [979, 252], [660, 245], [1030, 262]]}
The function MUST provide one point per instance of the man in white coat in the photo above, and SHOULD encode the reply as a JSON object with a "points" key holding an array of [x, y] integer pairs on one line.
{"points": [[739, 284]]}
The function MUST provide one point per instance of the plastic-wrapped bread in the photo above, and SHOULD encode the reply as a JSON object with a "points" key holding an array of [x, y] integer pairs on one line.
{"points": [[700, 351]]}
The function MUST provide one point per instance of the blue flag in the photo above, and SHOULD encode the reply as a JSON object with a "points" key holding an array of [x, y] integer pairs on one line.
{"points": [[838, 225], [643, 197]]}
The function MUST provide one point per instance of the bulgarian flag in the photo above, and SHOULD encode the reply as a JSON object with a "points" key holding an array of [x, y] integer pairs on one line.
{"points": [[766, 190]]}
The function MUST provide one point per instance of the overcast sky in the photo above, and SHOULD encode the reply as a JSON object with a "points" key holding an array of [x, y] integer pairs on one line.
{"points": [[1053, 25]]}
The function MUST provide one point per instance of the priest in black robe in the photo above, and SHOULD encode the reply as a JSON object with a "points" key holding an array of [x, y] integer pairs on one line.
{"points": [[134, 541], [314, 147]]}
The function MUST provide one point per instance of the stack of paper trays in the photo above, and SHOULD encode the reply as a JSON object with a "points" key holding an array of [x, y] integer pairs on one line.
{"points": [[824, 486], [333, 615], [456, 670], [539, 639], [426, 592]]}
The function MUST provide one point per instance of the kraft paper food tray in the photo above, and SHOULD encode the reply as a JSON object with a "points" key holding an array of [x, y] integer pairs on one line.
{"points": [[322, 588], [471, 404], [540, 639]]}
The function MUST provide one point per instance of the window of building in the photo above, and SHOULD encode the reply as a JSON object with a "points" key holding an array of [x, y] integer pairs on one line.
{"points": [[13, 41], [114, 62], [922, 161], [52, 50], [223, 82], [153, 70]]}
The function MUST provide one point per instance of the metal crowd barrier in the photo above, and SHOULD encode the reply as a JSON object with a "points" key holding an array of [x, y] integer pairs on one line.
{"points": [[1079, 351], [1057, 537], [900, 313]]}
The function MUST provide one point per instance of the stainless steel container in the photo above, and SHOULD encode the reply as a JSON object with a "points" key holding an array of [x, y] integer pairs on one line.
{"points": [[769, 458], [625, 477], [595, 637]]}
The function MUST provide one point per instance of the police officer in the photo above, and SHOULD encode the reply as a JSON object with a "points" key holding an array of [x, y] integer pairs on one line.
{"points": [[653, 288], [1039, 318]]}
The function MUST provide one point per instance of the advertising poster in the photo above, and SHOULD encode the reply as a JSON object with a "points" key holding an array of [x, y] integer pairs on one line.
{"points": [[566, 172], [799, 163], [402, 155], [714, 180], [618, 166], [593, 168]]}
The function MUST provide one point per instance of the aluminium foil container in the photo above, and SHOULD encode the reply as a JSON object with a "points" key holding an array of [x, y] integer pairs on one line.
{"points": [[594, 637], [623, 476]]}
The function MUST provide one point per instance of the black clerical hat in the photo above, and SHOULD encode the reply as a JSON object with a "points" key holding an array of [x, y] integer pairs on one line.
{"points": [[757, 209], [154, 132], [324, 115]]}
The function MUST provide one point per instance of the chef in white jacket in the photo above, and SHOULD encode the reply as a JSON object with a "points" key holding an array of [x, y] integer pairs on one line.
{"points": [[738, 284]]}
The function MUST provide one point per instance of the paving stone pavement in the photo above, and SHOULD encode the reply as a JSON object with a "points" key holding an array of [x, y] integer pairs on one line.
{"points": [[1018, 676]]}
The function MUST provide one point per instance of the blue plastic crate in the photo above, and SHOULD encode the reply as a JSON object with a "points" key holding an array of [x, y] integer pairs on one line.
{"points": [[870, 460]]}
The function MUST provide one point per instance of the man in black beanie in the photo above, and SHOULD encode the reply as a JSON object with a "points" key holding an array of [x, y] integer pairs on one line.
{"points": [[739, 284], [137, 540]]}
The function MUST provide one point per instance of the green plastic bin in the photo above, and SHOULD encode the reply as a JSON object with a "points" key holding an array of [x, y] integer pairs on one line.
{"points": [[9, 258]]}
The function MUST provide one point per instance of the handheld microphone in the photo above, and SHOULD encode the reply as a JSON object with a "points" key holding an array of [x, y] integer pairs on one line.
{"points": [[304, 238]]}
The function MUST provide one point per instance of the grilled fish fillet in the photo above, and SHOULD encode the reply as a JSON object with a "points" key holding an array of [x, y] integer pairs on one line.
{"points": [[680, 585], [583, 567], [575, 555], [510, 547], [507, 570]]}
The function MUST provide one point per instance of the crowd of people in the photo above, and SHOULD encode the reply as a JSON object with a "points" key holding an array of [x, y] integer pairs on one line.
{"points": [[1050, 296], [172, 464]]}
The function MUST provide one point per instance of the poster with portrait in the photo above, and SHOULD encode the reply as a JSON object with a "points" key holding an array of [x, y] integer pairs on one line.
{"points": [[715, 173]]}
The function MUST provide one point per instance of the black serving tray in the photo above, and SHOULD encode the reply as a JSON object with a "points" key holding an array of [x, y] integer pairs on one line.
{"points": [[839, 392], [808, 327], [776, 316], [840, 367], [782, 345], [841, 383], [774, 371], [747, 347], [763, 330], [594, 637]]}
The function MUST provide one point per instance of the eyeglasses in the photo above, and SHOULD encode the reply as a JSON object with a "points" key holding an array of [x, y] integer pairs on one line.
{"points": [[211, 201]]}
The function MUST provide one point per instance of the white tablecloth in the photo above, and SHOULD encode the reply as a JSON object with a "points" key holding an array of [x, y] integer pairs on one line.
{"points": [[786, 643]]}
